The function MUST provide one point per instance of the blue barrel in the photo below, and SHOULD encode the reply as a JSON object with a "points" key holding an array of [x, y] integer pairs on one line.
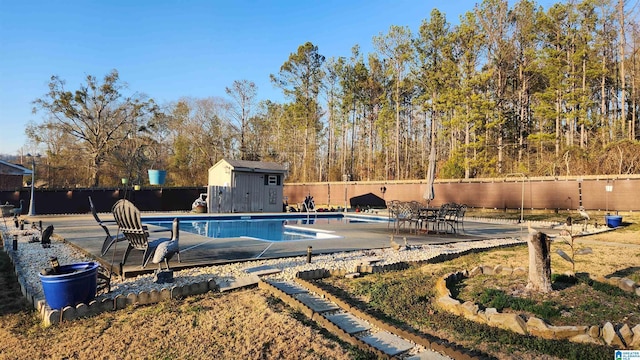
{"points": [[74, 284], [613, 221], [156, 177]]}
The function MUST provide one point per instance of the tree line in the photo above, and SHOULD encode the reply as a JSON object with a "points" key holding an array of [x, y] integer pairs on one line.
{"points": [[508, 89]]}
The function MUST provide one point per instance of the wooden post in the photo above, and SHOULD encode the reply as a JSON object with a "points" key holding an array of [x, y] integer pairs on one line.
{"points": [[539, 262]]}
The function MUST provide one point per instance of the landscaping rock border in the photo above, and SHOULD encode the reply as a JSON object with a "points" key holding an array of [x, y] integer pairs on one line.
{"points": [[620, 336]]}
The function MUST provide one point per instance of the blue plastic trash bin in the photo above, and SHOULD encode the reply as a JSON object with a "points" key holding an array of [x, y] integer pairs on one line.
{"points": [[613, 221]]}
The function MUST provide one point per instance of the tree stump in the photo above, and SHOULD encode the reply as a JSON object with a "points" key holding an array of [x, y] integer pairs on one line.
{"points": [[539, 262]]}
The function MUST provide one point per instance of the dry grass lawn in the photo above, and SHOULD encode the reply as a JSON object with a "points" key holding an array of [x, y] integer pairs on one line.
{"points": [[240, 325], [612, 252]]}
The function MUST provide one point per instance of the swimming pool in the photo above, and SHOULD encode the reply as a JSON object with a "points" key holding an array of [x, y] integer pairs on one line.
{"points": [[279, 227]]}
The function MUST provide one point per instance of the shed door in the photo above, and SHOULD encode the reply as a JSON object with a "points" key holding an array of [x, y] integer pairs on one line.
{"points": [[248, 194]]}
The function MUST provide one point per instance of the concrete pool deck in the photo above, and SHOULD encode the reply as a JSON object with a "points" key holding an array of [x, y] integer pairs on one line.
{"points": [[196, 250]]}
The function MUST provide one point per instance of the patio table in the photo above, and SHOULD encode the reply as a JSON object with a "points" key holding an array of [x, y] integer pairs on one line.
{"points": [[428, 214]]}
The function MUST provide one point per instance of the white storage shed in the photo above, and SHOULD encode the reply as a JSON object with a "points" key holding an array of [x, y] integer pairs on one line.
{"points": [[245, 186]]}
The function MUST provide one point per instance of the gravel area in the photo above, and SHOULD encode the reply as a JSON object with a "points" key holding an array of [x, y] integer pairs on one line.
{"points": [[31, 258]]}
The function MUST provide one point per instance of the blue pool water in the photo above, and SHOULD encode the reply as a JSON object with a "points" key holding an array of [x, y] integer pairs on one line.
{"points": [[266, 228]]}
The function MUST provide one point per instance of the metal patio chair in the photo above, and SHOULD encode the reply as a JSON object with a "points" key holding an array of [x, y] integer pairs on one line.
{"points": [[407, 214], [392, 211], [455, 217], [442, 218]]}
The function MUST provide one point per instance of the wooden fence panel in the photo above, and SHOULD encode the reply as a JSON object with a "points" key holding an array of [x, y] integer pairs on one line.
{"points": [[511, 193]]}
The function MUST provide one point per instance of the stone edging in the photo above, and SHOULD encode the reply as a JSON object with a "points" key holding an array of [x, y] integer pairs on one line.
{"points": [[95, 307], [372, 269], [620, 336], [54, 316], [623, 283]]}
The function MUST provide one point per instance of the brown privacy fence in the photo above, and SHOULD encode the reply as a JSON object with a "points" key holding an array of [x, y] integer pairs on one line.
{"points": [[75, 201], [510, 192], [498, 193]]}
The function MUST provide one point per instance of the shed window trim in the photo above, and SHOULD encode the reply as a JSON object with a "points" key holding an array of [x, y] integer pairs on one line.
{"points": [[273, 180]]}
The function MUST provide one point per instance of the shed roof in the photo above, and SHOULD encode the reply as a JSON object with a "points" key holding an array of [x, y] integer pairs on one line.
{"points": [[7, 168], [254, 166]]}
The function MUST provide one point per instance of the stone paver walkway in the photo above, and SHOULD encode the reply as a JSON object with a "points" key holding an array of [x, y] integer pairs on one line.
{"points": [[384, 341]]}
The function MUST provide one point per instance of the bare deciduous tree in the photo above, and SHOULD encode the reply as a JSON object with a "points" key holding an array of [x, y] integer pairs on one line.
{"points": [[243, 93], [98, 115]]}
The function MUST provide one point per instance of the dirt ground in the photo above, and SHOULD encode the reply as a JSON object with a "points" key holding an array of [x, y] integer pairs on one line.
{"points": [[245, 324]]}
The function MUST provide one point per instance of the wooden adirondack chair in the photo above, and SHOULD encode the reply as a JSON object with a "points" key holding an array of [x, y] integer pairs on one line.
{"points": [[127, 217]]}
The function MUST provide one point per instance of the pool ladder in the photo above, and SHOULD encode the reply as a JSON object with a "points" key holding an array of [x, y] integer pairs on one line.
{"points": [[311, 209]]}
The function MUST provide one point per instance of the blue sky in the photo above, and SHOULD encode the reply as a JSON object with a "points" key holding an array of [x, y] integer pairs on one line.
{"points": [[171, 49]]}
